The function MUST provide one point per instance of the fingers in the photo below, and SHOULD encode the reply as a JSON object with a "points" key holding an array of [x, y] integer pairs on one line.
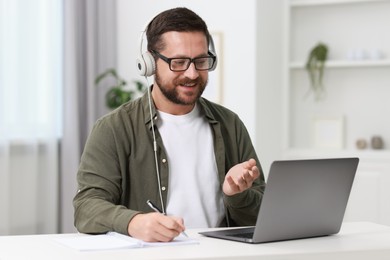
{"points": [[249, 164], [251, 175], [231, 188], [180, 222], [241, 177], [166, 229], [248, 176], [245, 180], [172, 223], [155, 227]]}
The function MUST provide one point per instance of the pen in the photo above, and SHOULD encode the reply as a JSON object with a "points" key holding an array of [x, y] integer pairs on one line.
{"points": [[156, 209]]}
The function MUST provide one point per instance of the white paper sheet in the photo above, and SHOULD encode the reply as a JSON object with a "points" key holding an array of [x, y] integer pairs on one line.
{"points": [[114, 241]]}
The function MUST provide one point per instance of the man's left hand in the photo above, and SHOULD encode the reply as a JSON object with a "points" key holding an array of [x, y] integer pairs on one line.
{"points": [[240, 177]]}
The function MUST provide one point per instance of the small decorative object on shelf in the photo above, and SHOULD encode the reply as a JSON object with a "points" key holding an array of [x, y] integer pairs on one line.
{"points": [[118, 94], [315, 66], [359, 54], [377, 142], [376, 54], [361, 144]]}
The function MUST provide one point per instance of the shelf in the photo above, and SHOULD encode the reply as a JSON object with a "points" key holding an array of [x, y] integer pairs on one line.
{"points": [[381, 156], [346, 64], [303, 3]]}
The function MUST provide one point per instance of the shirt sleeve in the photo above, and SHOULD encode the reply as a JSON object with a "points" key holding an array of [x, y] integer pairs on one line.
{"points": [[243, 208], [96, 203]]}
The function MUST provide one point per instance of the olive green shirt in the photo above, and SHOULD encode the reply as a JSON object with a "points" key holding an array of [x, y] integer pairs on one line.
{"points": [[117, 173]]}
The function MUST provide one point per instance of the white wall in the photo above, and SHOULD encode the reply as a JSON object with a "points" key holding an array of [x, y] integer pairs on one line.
{"points": [[235, 19], [269, 81]]}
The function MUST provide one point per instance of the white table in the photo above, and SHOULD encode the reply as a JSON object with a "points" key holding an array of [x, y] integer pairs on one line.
{"points": [[356, 240]]}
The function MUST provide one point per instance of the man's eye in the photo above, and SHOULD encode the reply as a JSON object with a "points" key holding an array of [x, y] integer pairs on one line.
{"points": [[201, 62], [178, 62]]}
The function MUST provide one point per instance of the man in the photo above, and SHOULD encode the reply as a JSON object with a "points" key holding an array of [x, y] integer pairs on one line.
{"points": [[194, 159]]}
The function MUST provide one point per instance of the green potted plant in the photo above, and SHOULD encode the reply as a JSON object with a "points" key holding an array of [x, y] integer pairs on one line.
{"points": [[118, 93], [315, 66]]}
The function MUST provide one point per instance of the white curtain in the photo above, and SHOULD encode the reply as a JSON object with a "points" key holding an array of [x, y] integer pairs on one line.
{"points": [[89, 49], [30, 115], [50, 53]]}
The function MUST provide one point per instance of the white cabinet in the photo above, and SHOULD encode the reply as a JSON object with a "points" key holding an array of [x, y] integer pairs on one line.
{"points": [[357, 92], [369, 199]]}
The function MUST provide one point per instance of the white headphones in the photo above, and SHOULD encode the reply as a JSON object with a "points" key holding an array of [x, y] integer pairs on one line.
{"points": [[146, 64]]}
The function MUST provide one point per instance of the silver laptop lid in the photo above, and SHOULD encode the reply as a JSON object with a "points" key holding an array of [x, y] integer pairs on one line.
{"points": [[305, 198]]}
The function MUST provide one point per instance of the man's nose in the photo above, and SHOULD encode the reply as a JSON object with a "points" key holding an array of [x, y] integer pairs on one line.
{"points": [[191, 72]]}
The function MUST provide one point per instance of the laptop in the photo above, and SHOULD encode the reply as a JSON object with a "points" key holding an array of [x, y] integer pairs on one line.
{"points": [[302, 199]]}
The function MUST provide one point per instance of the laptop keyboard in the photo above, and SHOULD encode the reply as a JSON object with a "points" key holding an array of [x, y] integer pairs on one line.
{"points": [[243, 235]]}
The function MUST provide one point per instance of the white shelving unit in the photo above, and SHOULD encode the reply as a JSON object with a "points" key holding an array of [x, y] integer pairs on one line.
{"points": [[347, 64], [357, 91], [301, 3]]}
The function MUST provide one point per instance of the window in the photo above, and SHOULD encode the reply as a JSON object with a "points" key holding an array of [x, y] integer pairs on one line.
{"points": [[30, 68]]}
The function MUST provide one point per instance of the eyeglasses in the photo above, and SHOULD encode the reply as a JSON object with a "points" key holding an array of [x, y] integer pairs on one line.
{"points": [[182, 64]]}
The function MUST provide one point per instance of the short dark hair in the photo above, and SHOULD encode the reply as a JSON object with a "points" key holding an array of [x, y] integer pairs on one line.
{"points": [[178, 19]]}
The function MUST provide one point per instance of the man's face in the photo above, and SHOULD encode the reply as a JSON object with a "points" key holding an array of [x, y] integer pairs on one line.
{"points": [[185, 87]]}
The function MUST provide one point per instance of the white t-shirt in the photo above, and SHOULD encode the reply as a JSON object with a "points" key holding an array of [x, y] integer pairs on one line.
{"points": [[194, 189]]}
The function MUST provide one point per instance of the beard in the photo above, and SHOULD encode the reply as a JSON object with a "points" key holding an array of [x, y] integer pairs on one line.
{"points": [[171, 92]]}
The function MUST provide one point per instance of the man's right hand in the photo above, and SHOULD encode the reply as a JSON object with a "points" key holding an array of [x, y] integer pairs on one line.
{"points": [[155, 227]]}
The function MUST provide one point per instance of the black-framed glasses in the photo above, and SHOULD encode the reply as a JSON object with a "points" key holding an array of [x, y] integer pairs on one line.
{"points": [[182, 64]]}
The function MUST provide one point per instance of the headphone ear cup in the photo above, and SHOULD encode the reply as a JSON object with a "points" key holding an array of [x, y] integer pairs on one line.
{"points": [[146, 64], [213, 52], [215, 62]]}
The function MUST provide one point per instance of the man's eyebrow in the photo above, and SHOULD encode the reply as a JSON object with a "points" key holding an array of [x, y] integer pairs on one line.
{"points": [[180, 56]]}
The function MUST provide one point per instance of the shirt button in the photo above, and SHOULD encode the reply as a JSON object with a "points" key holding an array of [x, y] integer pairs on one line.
{"points": [[163, 188], [164, 160], [155, 118]]}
